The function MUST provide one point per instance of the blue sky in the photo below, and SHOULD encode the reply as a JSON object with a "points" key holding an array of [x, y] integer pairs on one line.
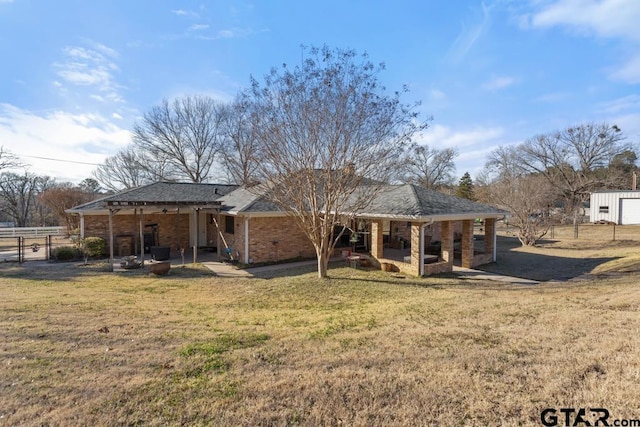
{"points": [[76, 75]]}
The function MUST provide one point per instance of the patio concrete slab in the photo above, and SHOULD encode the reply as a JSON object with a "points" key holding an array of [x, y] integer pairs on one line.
{"points": [[483, 275]]}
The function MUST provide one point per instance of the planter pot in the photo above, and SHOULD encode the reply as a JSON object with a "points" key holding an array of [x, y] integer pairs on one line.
{"points": [[159, 268]]}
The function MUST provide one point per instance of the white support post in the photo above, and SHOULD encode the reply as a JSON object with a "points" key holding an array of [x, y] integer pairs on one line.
{"points": [[195, 235], [82, 225]]}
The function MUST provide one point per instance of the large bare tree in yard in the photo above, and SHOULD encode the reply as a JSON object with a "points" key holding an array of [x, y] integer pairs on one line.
{"points": [[185, 134], [429, 167], [241, 143], [575, 160], [525, 195], [329, 137], [130, 168]]}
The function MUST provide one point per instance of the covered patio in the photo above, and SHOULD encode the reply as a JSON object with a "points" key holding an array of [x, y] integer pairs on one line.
{"points": [[423, 255], [420, 232]]}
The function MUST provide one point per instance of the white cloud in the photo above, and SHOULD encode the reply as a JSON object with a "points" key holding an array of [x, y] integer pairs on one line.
{"points": [[186, 13], [629, 72], [613, 19], [198, 27], [439, 136], [608, 18], [469, 35], [630, 102], [499, 83], [90, 67], [117, 116], [86, 138]]}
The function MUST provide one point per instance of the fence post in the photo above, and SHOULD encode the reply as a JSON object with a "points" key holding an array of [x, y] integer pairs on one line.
{"points": [[48, 249], [19, 250]]}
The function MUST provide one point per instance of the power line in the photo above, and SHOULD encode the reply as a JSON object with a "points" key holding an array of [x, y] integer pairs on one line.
{"points": [[60, 160]]}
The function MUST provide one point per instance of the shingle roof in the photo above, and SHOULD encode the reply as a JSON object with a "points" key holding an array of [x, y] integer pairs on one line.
{"points": [[163, 192], [413, 201], [394, 201], [244, 200]]}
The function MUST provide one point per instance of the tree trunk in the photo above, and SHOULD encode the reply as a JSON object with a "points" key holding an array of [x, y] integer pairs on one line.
{"points": [[323, 264], [575, 223]]}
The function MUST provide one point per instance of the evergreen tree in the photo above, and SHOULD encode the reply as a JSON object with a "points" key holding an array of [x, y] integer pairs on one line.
{"points": [[465, 187]]}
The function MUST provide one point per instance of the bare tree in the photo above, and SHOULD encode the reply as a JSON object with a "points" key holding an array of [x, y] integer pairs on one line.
{"points": [[7, 159], [329, 138], [526, 196], [241, 143], [130, 168], [17, 196], [429, 167], [63, 196], [186, 134], [575, 160]]}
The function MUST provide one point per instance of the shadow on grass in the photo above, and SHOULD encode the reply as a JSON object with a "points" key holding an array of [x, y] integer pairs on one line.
{"points": [[70, 271], [536, 266]]}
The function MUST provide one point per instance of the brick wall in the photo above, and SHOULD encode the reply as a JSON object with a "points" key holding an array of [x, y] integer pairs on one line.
{"points": [[271, 239], [173, 230]]}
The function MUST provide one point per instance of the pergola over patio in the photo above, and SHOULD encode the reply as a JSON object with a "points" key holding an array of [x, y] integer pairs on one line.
{"points": [[153, 199]]}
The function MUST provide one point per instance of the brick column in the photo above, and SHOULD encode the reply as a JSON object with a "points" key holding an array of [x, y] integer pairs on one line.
{"points": [[415, 248], [446, 249], [376, 239], [489, 231], [467, 243]]}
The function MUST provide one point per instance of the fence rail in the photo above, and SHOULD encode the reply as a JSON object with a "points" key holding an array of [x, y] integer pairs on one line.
{"points": [[32, 231]]}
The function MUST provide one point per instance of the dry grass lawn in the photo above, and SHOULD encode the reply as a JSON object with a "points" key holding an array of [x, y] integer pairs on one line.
{"points": [[79, 346]]}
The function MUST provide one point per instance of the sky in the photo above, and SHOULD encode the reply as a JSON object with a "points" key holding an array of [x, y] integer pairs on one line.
{"points": [[76, 75]]}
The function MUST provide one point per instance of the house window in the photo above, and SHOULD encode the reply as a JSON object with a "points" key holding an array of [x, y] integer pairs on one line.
{"points": [[604, 209], [229, 225]]}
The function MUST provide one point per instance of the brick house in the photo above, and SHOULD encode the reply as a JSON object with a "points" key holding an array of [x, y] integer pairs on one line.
{"points": [[417, 231]]}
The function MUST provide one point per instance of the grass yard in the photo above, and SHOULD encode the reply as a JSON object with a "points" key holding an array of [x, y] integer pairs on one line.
{"points": [[80, 346]]}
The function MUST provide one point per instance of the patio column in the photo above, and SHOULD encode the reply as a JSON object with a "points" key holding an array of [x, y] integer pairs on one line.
{"points": [[490, 238], [416, 248], [82, 225], [377, 250], [467, 243], [446, 248], [111, 239], [246, 240]]}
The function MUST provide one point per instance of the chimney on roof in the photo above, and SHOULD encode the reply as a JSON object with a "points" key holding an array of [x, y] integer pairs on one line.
{"points": [[215, 191]]}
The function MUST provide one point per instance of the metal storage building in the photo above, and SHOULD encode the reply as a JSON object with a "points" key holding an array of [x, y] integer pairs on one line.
{"points": [[621, 207]]}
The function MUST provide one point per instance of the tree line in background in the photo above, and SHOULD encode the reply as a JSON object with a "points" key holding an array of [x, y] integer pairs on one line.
{"points": [[30, 200], [312, 133]]}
